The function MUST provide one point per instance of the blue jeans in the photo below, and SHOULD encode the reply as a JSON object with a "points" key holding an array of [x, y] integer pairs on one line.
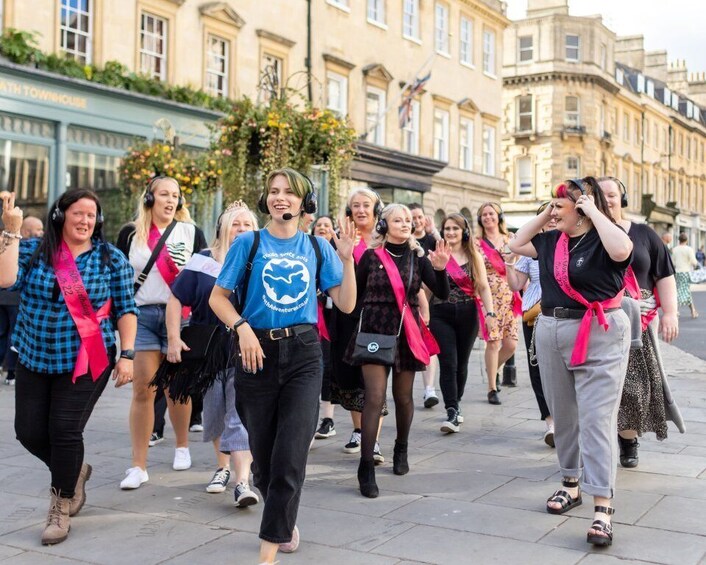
{"points": [[279, 408]]}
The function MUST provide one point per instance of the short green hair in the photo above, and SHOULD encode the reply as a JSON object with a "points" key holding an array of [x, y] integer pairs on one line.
{"points": [[297, 181]]}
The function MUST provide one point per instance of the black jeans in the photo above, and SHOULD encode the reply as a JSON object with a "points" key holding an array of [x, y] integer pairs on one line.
{"points": [[50, 415], [535, 377], [455, 327], [279, 407]]}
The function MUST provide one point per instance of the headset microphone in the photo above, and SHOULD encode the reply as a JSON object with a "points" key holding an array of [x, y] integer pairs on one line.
{"points": [[286, 217]]}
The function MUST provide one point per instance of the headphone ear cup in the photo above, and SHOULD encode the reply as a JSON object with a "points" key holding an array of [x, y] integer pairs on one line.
{"points": [[99, 222], [501, 217], [262, 204], [180, 202], [466, 235], [480, 222], [624, 200], [57, 216], [310, 201], [148, 199], [349, 212], [377, 209], [381, 227]]}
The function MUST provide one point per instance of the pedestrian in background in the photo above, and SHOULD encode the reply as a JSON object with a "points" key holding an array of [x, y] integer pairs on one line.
{"points": [[684, 262]]}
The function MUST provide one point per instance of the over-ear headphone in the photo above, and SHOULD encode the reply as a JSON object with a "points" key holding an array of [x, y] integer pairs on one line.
{"points": [[623, 191], [148, 197], [58, 217], [498, 211], [381, 227], [377, 207], [309, 202], [466, 234]]}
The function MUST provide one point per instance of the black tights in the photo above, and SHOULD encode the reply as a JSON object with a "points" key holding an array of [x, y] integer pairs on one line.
{"points": [[375, 378]]}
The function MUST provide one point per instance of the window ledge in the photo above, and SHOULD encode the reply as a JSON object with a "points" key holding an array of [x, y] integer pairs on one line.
{"points": [[412, 39], [339, 6], [490, 75], [377, 24], [444, 54]]}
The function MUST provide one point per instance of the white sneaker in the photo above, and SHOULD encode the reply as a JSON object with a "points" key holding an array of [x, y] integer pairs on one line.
{"points": [[196, 428], [430, 398], [549, 436], [182, 459], [134, 477]]}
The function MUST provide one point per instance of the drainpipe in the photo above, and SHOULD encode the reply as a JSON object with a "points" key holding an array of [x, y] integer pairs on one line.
{"points": [[307, 62]]}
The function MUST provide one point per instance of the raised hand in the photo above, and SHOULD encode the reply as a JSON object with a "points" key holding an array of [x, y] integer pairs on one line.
{"points": [[345, 238], [440, 256], [585, 202], [11, 214]]}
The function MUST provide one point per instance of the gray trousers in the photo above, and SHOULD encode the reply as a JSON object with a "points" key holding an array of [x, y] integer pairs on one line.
{"points": [[584, 399]]}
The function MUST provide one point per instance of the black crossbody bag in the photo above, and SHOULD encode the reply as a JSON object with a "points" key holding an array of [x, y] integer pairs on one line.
{"points": [[379, 349]]}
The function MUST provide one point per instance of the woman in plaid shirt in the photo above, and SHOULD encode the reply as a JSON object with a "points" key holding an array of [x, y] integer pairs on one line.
{"points": [[71, 282]]}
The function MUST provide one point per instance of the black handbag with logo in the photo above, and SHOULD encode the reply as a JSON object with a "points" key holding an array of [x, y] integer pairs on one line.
{"points": [[379, 349]]}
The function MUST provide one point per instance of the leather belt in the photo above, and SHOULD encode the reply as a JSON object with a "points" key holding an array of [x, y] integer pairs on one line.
{"points": [[282, 333], [569, 313]]}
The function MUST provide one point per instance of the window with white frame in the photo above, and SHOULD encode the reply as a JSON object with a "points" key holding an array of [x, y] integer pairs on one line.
{"points": [[465, 53], [489, 52], [573, 167], [217, 66], [572, 112], [376, 11], [153, 46], [441, 134], [337, 93], [525, 178], [375, 115], [488, 150], [572, 47], [441, 28], [525, 114], [410, 19], [273, 66], [76, 29], [465, 144], [345, 4], [410, 133], [526, 48]]}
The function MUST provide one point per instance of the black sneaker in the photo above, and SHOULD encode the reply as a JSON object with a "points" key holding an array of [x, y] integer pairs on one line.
{"points": [[156, 438], [451, 425], [326, 429], [353, 446], [493, 397], [244, 496]]}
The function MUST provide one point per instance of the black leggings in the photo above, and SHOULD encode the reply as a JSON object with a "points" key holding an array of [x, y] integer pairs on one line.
{"points": [[535, 377], [375, 377], [50, 415], [455, 327]]}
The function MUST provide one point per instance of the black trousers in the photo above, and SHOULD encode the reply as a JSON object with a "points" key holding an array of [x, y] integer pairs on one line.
{"points": [[535, 377], [51, 413], [279, 407], [455, 327]]}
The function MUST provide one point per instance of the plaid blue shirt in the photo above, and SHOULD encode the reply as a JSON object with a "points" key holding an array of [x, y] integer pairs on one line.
{"points": [[45, 335]]}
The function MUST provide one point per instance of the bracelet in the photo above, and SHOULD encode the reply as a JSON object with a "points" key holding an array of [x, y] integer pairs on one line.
{"points": [[239, 323], [509, 264], [11, 235], [491, 315]]}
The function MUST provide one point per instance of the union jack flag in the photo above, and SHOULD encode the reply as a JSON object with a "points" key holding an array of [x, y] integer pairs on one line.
{"points": [[404, 112]]}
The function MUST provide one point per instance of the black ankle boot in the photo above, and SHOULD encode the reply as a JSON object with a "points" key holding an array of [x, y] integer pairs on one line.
{"points": [[366, 479], [628, 452], [400, 466]]}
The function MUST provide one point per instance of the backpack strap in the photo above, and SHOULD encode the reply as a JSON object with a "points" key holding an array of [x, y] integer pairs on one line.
{"points": [[248, 270], [317, 251]]}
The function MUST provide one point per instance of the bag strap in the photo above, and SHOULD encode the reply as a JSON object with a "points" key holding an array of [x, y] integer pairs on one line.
{"points": [[153, 258], [248, 269], [317, 251]]}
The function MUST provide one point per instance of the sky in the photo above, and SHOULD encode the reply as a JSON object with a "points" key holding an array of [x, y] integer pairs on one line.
{"points": [[672, 25]]}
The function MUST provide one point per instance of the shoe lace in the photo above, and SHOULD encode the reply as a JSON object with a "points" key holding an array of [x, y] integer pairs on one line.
{"points": [[54, 516], [355, 437], [221, 476], [376, 449]]}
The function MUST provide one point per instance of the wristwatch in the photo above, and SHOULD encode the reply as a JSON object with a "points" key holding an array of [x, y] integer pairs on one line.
{"points": [[127, 354]]}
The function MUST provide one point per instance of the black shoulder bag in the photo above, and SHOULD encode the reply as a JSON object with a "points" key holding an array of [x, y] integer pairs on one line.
{"points": [[380, 349]]}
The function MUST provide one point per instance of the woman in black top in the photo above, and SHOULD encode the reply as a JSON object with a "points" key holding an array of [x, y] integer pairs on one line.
{"points": [[643, 407], [380, 314], [582, 361]]}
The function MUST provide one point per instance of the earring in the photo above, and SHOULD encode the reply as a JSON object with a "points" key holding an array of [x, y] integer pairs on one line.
{"points": [[579, 223]]}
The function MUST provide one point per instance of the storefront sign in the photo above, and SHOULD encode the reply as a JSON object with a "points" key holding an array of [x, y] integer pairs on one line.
{"points": [[43, 94]]}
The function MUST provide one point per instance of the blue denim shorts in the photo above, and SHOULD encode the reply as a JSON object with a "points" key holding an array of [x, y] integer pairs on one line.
{"points": [[152, 328]]}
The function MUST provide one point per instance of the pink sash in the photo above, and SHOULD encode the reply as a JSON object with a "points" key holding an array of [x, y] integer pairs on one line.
{"points": [[166, 265], [561, 274], [633, 288], [321, 323], [358, 250], [421, 345], [92, 352], [464, 282], [498, 263]]}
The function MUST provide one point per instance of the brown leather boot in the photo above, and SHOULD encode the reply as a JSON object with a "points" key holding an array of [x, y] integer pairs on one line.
{"points": [[79, 498], [58, 521]]}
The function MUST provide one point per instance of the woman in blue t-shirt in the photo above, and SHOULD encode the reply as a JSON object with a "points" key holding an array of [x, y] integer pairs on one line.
{"points": [[278, 373]]}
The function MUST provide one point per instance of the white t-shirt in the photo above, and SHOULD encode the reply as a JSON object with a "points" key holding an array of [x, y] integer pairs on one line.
{"points": [[179, 245]]}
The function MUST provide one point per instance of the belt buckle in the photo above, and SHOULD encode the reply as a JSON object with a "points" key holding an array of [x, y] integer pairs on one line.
{"points": [[275, 337], [560, 312]]}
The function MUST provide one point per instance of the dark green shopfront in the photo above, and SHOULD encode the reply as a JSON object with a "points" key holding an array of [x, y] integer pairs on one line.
{"points": [[58, 133]]}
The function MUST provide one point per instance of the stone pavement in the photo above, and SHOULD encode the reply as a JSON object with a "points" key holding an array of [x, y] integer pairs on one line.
{"points": [[473, 497]]}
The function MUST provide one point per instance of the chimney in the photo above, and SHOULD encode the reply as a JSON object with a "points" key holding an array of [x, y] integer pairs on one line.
{"points": [[677, 77], [541, 8], [630, 51], [656, 65], [697, 87]]}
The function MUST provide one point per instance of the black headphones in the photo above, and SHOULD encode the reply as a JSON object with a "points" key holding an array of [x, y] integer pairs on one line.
{"points": [[377, 208], [623, 191], [148, 198], [381, 227], [58, 217], [308, 202], [466, 234], [498, 211]]}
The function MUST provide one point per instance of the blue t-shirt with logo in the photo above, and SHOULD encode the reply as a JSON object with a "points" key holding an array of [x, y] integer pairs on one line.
{"points": [[282, 287]]}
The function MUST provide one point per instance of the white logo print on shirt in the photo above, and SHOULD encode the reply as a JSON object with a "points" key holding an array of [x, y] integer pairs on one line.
{"points": [[286, 282]]}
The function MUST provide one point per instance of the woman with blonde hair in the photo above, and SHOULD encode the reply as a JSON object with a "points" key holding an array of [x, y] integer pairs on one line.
{"points": [[158, 245], [389, 277], [455, 321], [492, 240]]}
